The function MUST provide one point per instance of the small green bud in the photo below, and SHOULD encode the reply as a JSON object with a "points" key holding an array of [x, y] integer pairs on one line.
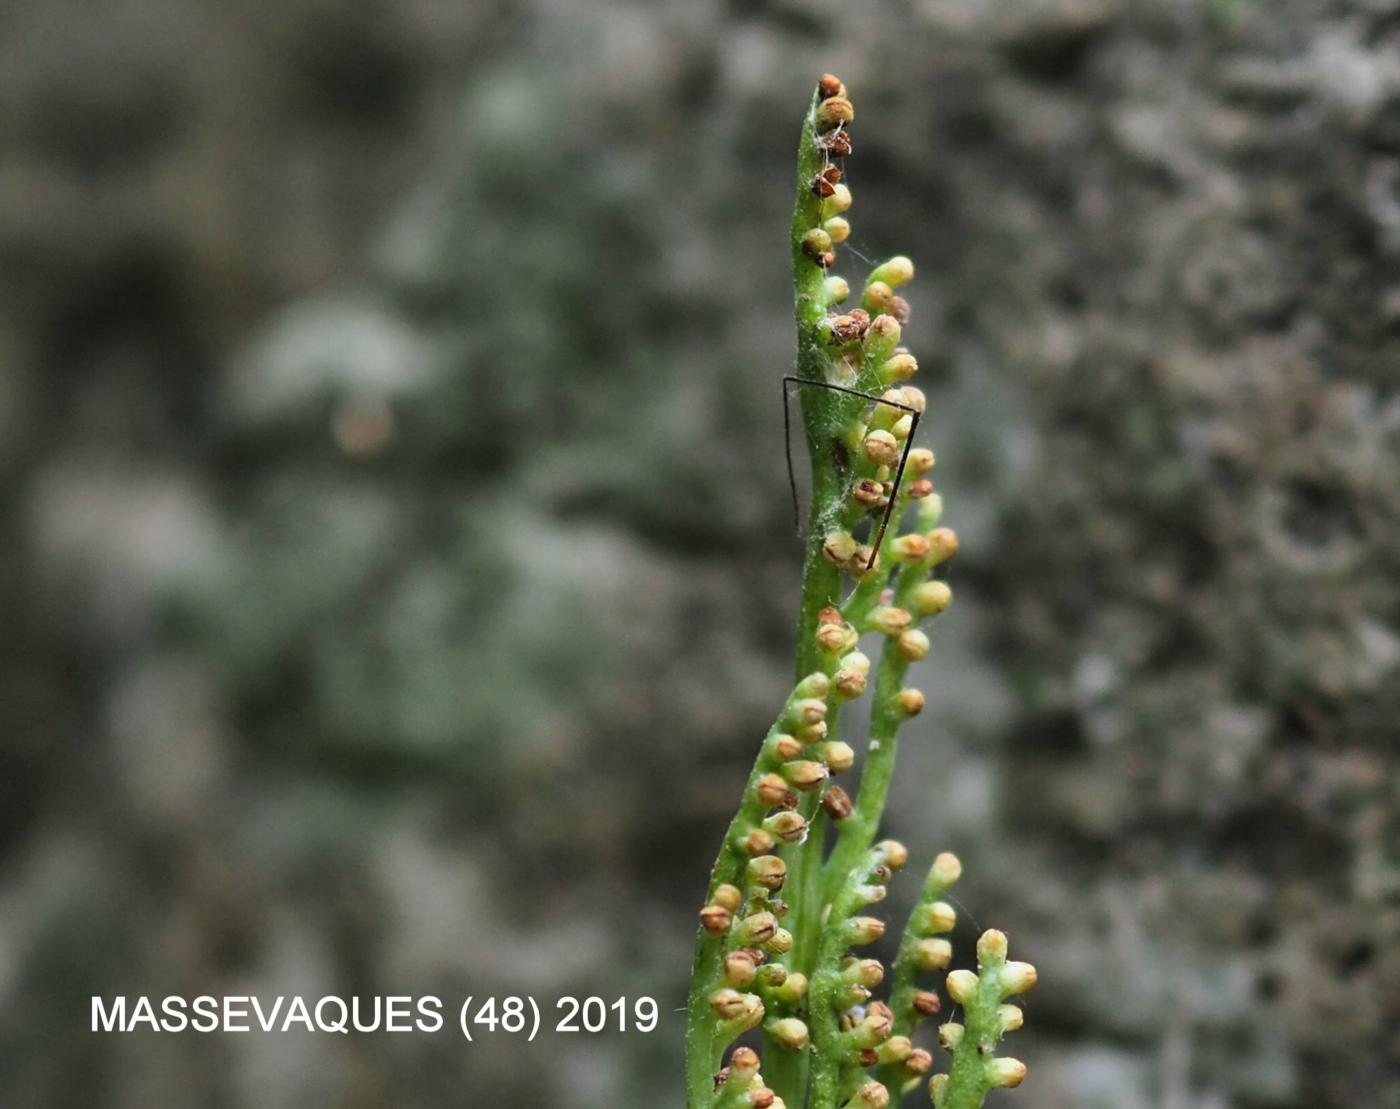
{"points": [[872, 1095], [934, 918], [910, 702], [892, 397], [943, 544], [1018, 977], [914, 645], [889, 620], [715, 919], [838, 202], [816, 243], [920, 1062], [743, 1065], [936, 1085], [910, 548], [874, 1028], [786, 747], [865, 929], [895, 854], [839, 230], [850, 683], [756, 929], [831, 638], [771, 789], [752, 1012], [740, 968], [903, 427], [899, 367], [790, 827], [810, 710], [896, 1049], [879, 297], [839, 548], [962, 985], [838, 756], [933, 954], [872, 894], [730, 1004], [864, 972], [930, 511], [856, 660], [866, 561], [814, 685], [804, 774], [768, 872], [780, 943], [792, 989], [914, 398], [881, 448], [772, 975], [1006, 1072], [925, 1003], [790, 1032], [834, 112], [1010, 1017], [882, 338], [991, 947], [834, 289], [921, 460], [894, 273], [932, 597], [947, 868]]}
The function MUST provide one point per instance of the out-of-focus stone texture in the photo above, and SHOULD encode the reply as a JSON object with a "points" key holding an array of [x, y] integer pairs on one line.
{"points": [[401, 576]]}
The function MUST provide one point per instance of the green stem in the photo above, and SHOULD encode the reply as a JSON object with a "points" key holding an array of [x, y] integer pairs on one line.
{"points": [[829, 1052], [967, 1079], [904, 974], [857, 832], [700, 1062], [824, 415], [702, 1052]]}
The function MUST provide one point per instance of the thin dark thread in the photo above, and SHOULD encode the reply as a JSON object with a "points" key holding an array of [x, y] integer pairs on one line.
{"points": [[789, 379], [787, 447]]}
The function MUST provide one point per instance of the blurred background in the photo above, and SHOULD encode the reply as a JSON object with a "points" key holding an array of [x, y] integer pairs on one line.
{"points": [[398, 576]]}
